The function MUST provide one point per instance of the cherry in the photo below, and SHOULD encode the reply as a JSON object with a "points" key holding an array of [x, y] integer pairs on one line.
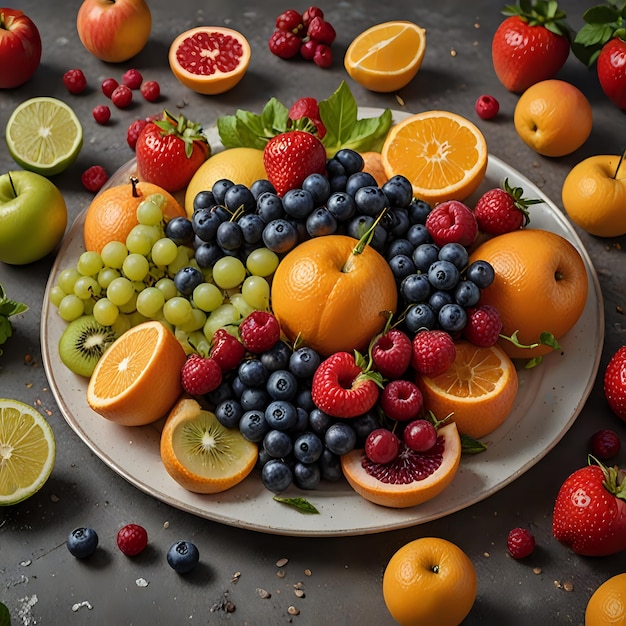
{"points": [[108, 86], [605, 444], [101, 113], [382, 446], [420, 435], [487, 107]]}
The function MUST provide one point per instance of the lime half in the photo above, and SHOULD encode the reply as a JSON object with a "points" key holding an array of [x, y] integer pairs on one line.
{"points": [[27, 451], [44, 135]]}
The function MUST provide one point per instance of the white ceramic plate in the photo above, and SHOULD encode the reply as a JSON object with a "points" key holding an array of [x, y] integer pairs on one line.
{"points": [[550, 398]]}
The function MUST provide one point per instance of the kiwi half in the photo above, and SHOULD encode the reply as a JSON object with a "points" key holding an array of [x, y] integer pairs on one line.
{"points": [[83, 342]]}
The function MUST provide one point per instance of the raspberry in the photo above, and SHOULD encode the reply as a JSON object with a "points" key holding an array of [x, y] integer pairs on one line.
{"points": [[391, 353], [401, 400], [259, 331], [151, 90], [284, 44], [226, 349], [93, 178], [108, 86], [75, 81], [433, 352], [483, 325], [605, 444], [290, 21], [101, 113], [321, 31], [132, 539], [308, 107], [200, 375], [323, 56], [452, 222], [520, 543], [122, 96], [311, 13], [133, 132], [132, 79], [487, 107]]}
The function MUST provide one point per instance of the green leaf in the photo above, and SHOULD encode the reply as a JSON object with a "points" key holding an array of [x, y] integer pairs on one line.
{"points": [[601, 14], [469, 445], [301, 504], [5, 617]]}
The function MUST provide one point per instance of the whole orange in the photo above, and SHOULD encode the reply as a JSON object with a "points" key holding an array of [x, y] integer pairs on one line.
{"points": [[607, 605], [112, 214], [540, 286], [429, 582], [332, 295], [553, 117], [594, 195]]}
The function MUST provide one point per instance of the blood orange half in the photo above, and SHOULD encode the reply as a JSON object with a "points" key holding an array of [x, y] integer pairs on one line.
{"points": [[209, 59], [413, 478]]}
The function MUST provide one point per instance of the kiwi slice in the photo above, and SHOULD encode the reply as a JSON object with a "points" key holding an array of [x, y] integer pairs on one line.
{"points": [[83, 342]]}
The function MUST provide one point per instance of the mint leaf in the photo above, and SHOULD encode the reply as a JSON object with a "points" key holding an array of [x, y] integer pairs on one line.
{"points": [[7, 309], [302, 504], [469, 445]]}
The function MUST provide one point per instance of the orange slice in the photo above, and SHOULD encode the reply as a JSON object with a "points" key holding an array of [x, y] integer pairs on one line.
{"points": [[412, 478], [137, 379], [200, 454], [386, 57], [209, 59], [443, 154], [479, 389]]}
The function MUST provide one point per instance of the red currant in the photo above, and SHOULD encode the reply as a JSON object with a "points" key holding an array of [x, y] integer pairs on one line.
{"points": [[122, 96], [310, 13], [108, 86], [307, 49], [132, 79], [323, 56], [290, 20], [151, 90], [382, 446], [94, 178], [101, 113], [284, 44], [75, 81], [487, 107], [420, 435], [605, 444], [133, 132]]}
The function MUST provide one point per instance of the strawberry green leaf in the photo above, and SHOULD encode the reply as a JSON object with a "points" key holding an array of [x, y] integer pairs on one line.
{"points": [[301, 504]]}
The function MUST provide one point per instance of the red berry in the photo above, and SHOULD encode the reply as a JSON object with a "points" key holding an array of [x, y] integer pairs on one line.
{"points": [[290, 20], [323, 56], [401, 400], [94, 178], [382, 446], [108, 86], [132, 539], [133, 132], [420, 435], [122, 96], [310, 13], [483, 325], [200, 375], [75, 81], [226, 349], [433, 352], [487, 107], [308, 107], [321, 31], [259, 331], [132, 79], [615, 383], [605, 444], [391, 353], [520, 543], [452, 222], [284, 44], [151, 90], [101, 113], [307, 49]]}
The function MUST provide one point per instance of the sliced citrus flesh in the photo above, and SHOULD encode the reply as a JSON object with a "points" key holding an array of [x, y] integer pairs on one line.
{"points": [[209, 59], [443, 154], [200, 454], [137, 379], [412, 478], [44, 135], [386, 57], [479, 389], [27, 451]]}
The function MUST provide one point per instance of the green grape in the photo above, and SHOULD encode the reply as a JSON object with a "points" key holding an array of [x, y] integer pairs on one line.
{"points": [[177, 310], [131, 305], [71, 307], [67, 278], [196, 321], [105, 312], [256, 292], [113, 254], [106, 275], [134, 318], [140, 239], [207, 297], [222, 316], [157, 198], [88, 305], [150, 302], [167, 286], [120, 291], [149, 213], [228, 272], [164, 252], [86, 287], [181, 260], [239, 302], [192, 342], [56, 295], [89, 263], [135, 266], [262, 262], [122, 323]]}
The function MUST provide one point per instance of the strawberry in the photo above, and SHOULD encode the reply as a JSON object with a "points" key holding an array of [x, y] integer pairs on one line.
{"points": [[200, 375], [343, 387], [226, 349], [452, 222], [590, 511], [391, 353], [530, 45], [290, 157], [611, 67], [170, 150], [433, 352], [308, 108], [502, 210], [615, 383]]}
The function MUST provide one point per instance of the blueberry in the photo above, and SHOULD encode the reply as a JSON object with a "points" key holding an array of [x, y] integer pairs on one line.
{"points": [[351, 160], [180, 230], [277, 357], [415, 288], [438, 298], [277, 443], [357, 180], [253, 373], [304, 400], [82, 542], [341, 205], [480, 272], [321, 222], [370, 200], [219, 189], [418, 234], [237, 386], [397, 222], [280, 236], [418, 211], [399, 190], [207, 253], [467, 294], [183, 556], [399, 246], [340, 438], [187, 279], [228, 413], [253, 426], [276, 475], [359, 225], [330, 466], [319, 421], [239, 197], [229, 236], [302, 423], [253, 398], [298, 203], [338, 183], [304, 361], [401, 267], [308, 447], [282, 385], [334, 167], [252, 227], [420, 315], [425, 255], [456, 253], [306, 475], [261, 186], [452, 317], [363, 425], [205, 223], [223, 392], [318, 186], [203, 200], [269, 207], [443, 275], [281, 415]]}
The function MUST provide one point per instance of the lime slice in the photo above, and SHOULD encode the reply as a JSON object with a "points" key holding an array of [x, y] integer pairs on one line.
{"points": [[44, 135], [27, 451]]}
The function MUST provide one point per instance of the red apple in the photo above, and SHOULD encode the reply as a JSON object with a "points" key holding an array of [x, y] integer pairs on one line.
{"points": [[114, 30], [20, 48]]}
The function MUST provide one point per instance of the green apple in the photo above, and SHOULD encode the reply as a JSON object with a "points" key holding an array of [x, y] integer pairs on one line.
{"points": [[33, 217]]}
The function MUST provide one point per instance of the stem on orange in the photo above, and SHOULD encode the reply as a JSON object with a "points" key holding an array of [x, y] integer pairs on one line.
{"points": [[367, 237], [134, 181], [619, 164]]}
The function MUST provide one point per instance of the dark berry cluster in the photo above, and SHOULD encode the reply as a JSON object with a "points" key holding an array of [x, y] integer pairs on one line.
{"points": [[308, 35]]}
